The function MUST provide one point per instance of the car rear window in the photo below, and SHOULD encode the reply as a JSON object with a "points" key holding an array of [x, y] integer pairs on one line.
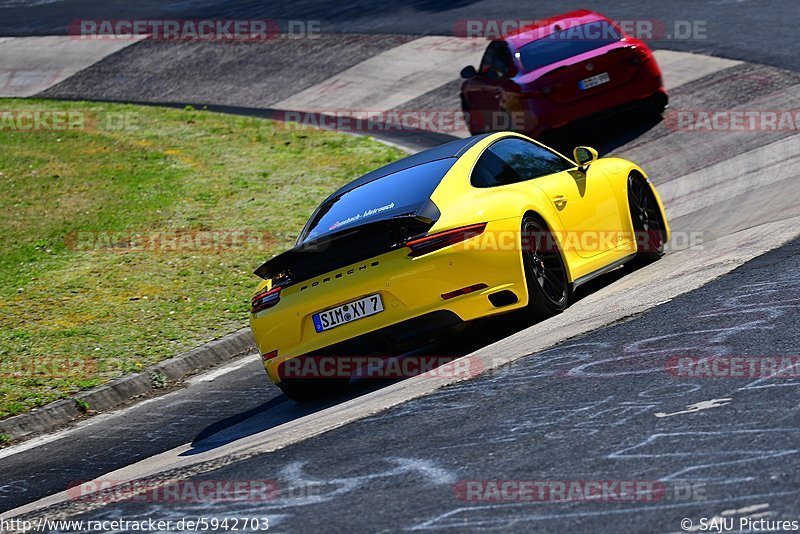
{"points": [[567, 43], [400, 193]]}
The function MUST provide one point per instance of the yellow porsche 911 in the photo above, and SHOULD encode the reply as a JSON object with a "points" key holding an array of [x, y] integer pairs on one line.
{"points": [[469, 229]]}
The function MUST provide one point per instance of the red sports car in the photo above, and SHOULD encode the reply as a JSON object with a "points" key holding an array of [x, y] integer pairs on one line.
{"points": [[574, 66]]}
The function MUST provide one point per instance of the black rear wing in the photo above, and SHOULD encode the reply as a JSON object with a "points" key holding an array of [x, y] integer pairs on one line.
{"points": [[333, 251]]}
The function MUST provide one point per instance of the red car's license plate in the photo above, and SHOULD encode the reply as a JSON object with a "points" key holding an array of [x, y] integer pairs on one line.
{"points": [[594, 81]]}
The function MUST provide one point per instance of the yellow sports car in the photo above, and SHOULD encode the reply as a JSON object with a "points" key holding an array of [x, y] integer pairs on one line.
{"points": [[469, 229]]}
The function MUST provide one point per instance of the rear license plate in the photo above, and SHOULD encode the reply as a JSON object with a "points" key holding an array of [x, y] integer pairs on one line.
{"points": [[594, 81], [347, 313]]}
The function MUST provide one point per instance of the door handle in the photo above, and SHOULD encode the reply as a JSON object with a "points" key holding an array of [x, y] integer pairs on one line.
{"points": [[560, 202]]}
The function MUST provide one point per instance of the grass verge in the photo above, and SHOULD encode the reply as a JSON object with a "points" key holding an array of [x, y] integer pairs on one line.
{"points": [[133, 237]]}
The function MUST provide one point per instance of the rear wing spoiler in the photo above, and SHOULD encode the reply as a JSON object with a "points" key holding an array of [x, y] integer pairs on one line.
{"points": [[336, 250]]}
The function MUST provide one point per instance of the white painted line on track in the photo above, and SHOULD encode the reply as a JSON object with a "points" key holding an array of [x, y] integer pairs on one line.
{"points": [[390, 78], [213, 374], [742, 173], [29, 65]]}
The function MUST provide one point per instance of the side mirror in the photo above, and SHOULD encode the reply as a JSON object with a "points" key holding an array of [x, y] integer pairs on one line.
{"points": [[468, 72], [584, 156]]}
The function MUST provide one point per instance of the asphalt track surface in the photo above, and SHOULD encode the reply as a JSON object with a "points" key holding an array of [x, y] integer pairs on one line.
{"points": [[760, 31], [398, 468], [600, 407], [241, 403]]}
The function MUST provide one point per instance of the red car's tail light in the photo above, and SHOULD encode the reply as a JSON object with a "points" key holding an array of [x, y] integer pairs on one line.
{"points": [[265, 299], [429, 243], [641, 55]]}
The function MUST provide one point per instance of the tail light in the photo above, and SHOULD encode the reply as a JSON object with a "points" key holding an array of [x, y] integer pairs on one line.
{"points": [[430, 243], [544, 91], [641, 55], [265, 299], [538, 93]]}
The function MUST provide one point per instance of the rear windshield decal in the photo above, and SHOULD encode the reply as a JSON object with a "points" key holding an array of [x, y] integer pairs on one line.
{"points": [[359, 216]]}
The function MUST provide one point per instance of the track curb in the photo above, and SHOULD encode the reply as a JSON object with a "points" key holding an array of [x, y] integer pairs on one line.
{"points": [[126, 388]]}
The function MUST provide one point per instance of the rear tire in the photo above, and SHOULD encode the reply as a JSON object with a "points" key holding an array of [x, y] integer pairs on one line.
{"points": [[545, 272], [648, 225], [655, 105]]}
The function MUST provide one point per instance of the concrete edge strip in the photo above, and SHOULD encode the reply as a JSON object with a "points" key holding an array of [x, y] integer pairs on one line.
{"points": [[126, 388]]}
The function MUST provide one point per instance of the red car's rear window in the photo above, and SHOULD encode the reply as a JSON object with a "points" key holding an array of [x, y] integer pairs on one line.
{"points": [[567, 43]]}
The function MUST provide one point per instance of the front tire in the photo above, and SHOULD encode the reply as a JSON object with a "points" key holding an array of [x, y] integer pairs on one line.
{"points": [[545, 271]]}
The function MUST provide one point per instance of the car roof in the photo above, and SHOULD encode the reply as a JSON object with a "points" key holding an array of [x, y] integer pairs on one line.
{"points": [[452, 149], [527, 34]]}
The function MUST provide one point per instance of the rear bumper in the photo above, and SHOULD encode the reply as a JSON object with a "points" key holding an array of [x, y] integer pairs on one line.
{"points": [[409, 287], [399, 338], [542, 114]]}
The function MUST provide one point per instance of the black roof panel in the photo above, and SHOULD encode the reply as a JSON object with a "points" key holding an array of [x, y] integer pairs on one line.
{"points": [[453, 149]]}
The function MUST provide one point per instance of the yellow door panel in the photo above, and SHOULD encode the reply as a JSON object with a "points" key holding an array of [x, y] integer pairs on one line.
{"points": [[586, 205]]}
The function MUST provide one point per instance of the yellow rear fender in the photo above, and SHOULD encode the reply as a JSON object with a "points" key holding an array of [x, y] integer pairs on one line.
{"points": [[496, 204]]}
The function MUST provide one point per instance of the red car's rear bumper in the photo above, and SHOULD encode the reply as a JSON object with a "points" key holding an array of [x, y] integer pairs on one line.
{"points": [[540, 114], [534, 114]]}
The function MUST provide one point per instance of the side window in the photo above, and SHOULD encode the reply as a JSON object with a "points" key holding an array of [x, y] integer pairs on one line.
{"points": [[496, 61], [502, 61], [515, 160], [487, 61]]}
